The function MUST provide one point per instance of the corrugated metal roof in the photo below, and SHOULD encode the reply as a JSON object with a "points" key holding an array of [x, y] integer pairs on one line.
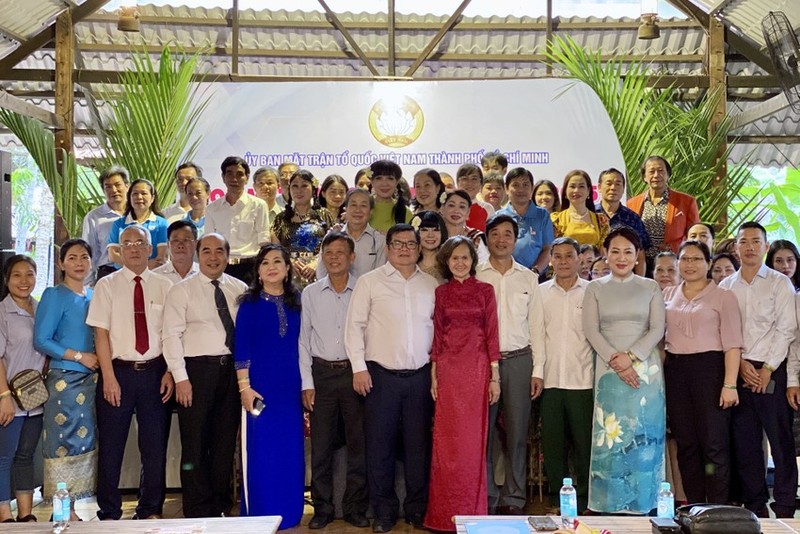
{"points": [[22, 19], [746, 15]]}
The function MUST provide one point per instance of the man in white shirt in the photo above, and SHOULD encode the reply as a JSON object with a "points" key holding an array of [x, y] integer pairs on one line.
{"points": [[766, 302], [198, 339], [183, 174], [567, 400], [328, 386], [97, 223], [239, 217], [181, 238], [388, 336], [126, 313], [520, 319]]}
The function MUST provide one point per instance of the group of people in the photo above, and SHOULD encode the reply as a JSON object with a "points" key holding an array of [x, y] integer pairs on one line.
{"points": [[418, 329]]}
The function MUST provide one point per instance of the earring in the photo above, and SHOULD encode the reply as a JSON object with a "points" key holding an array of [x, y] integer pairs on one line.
{"points": [[636, 263]]}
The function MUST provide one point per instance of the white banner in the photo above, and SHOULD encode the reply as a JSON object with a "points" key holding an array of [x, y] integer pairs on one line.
{"points": [[339, 127]]}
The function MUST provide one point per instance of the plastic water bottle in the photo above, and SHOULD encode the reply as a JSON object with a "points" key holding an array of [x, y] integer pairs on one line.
{"points": [[666, 502], [61, 508], [569, 503]]}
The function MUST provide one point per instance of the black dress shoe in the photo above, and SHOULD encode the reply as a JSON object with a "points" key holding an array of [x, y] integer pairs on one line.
{"points": [[382, 525], [320, 521], [357, 519], [415, 520]]}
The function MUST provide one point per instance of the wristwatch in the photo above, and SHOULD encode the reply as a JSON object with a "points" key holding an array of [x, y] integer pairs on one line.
{"points": [[77, 356]]}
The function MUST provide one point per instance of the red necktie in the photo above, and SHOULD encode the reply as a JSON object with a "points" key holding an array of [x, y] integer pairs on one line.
{"points": [[139, 317]]}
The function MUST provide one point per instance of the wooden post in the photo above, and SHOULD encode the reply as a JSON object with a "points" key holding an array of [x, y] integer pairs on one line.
{"points": [[717, 85], [65, 56]]}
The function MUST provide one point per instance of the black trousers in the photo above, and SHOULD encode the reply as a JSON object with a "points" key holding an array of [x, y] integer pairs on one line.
{"points": [[208, 437], [398, 406], [140, 393], [701, 428], [243, 271], [772, 414], [335, 399]]}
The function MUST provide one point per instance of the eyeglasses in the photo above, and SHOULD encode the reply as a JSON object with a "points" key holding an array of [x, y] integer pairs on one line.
{"points": [[691, 259], [410, 245], [135, 244]]}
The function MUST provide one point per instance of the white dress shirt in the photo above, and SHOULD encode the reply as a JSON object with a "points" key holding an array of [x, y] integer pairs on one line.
{"points": [[244, 224], [793, 361], [192, 326], [322, 325], [168, 270], [111, 308], [519, 310], [370, 253], [568, 355], [769, 319], [175, 212], [390, 320]]}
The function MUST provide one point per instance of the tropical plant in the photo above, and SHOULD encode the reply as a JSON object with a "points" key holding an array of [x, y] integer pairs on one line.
{"points": [[651, 121], [149, 128], [75, 191], [152, 114]]}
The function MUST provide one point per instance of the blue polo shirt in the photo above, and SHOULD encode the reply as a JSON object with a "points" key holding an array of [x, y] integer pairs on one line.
{"points": [[155, 224], [535, 232]]}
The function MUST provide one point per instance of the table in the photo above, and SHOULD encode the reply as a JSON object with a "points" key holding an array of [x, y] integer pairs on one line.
{"points": [[210, 525], [635, 525]]}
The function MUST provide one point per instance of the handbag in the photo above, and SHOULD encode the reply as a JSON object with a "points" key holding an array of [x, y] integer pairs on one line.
{"points": [[28, 389], [716, 519]]}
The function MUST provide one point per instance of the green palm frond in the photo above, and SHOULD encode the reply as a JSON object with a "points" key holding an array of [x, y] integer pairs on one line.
{"points": [[153, 113], [651, 121], [75, 190]]}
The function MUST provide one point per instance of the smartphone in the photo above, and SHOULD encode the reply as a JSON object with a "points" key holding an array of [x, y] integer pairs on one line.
{"points": [[258, 406], [543, 523], [770, 387], [664, 526]]}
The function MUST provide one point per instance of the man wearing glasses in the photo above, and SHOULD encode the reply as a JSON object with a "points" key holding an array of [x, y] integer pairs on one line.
{"points": [[126, 313], [388, 341]]}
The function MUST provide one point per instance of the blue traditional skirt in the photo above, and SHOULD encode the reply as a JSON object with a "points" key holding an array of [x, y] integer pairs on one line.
{"points": [[69, 442]]}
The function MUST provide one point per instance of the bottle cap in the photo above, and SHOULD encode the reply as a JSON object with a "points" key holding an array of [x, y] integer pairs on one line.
{"points": [[567, 481], [61, 485], [665, 486]]}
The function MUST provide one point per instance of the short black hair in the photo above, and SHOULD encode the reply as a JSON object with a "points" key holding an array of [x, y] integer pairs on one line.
{"points": [[612, 170], [500, 218], [330, 237], [191, 165], [752, 225], [516, 172], [181, 223], [702, 247], [234, 160], [707, 225], [402, 227], [494, 156]]}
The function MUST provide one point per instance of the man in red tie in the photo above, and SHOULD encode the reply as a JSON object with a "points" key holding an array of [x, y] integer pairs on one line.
{"points": [[126, 313]]}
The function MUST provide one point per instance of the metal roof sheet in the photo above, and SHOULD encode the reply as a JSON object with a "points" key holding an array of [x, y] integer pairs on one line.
{"points": [[746, 15]]}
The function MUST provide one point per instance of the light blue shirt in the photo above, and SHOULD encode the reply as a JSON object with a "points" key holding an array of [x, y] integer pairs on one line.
{"points": [[96, 227], [155, 224], [60, 324], [322, 325], [535, 233], [16, 343]]}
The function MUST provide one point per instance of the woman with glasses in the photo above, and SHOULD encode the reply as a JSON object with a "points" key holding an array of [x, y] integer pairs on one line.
{"points": [[465, 380], [703, 343]]}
